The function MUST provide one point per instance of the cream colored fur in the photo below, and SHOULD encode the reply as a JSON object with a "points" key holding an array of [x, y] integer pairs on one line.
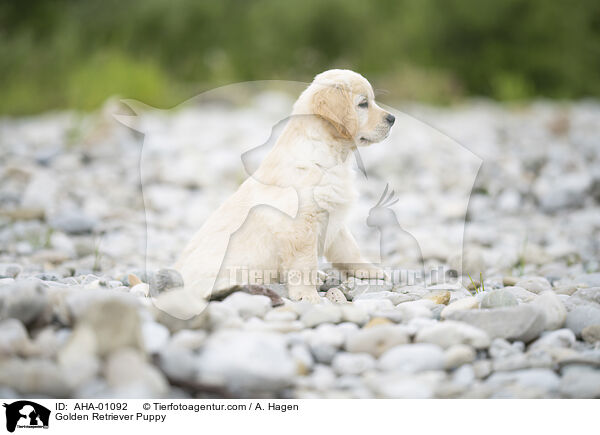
{"points": [[293, 209]]}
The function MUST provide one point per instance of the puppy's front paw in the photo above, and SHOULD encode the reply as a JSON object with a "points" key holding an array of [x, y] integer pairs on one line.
{"points": [[305, 294]]}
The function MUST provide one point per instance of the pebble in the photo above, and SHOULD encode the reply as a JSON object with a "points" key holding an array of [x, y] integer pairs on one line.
{"points": [[115, 324], [501, 348], [377, 340], [13, 337], [553, 308], [523, 322], [74, 223], [281, 314], [520, 294], [457, 355], [553, 339], [154, 336], [412, 358], [588, 294], [580, 382], [189, 339], [373, 305], [394, 297], [26, 301], [230, 358], [536, 284], [321, 313], [345, 363], [467, 303], [141, 290], [449, 333], [438, 297], [544, 380], [34, 376], [163, 280], [178, 363], [591, 334], [399, 385], [336, 296], [246, 305], [420, 308], [10, 270], [303, 358], [354, 314], [128, 373], [589, 279], [498, 298], [482, 368], [582, 317]]}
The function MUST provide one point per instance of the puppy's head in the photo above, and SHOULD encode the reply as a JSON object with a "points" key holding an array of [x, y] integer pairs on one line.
{"points": [[346, 100]]}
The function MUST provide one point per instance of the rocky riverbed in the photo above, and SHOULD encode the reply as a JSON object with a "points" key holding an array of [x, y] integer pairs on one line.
{"points": [[86, 210]]}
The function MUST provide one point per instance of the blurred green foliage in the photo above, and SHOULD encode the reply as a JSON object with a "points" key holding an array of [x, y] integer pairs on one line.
{"points": [[74, 54]]}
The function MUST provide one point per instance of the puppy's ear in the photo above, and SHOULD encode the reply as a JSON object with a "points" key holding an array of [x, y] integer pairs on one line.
{"points": [[334, 103]]}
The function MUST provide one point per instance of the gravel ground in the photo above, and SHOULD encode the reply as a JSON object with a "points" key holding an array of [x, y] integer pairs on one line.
{"points": [[518, 187]]}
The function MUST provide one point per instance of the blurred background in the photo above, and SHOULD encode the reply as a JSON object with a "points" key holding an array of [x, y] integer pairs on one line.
{"points": [[494, 157], [57, 54]]}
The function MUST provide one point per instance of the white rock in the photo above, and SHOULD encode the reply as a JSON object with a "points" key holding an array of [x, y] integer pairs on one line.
{"points": [[355, 314], [373, 305], [535, 284], [128, 373], [398, 385], [34, 376], [553, 308], [544, 380], [13, 337], [223, 316], [345, 363], [560, 338], [191, 339], [303, 358], [464, 375], [247, 305], [336, 296], [325, 341], [377, 339], [154, 336], [322, 378], [457, 355], [581, 317], [500, 348], [281, 315], [142, 290], [246, 361], [466, 303], [412, 358], [178, 363], [321, 313], [520, 293], [450, 333], [420, 308], [580, 382]]}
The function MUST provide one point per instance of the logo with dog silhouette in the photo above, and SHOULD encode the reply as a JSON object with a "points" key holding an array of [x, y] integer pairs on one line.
{"points": [[25, 414]]}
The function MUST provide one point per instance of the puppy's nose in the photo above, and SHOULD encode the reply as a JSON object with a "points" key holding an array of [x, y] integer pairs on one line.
{"points": [[390, 118]]}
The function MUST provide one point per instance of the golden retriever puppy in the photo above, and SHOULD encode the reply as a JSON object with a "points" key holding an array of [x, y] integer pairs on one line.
{"points": [[292, 210]]}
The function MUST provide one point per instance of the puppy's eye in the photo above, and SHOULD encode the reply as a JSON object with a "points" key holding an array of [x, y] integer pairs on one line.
{"points": [[364, 104]]}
